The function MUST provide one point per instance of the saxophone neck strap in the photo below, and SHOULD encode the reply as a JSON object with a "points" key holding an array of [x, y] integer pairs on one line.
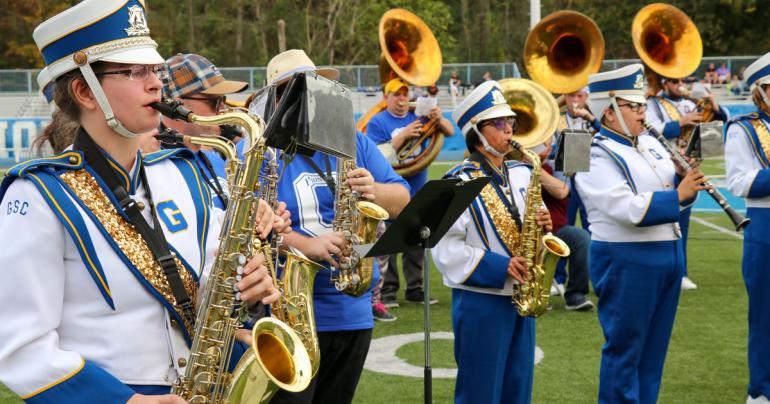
{"points": [[327, 176], [500, 179], [153, 236]]}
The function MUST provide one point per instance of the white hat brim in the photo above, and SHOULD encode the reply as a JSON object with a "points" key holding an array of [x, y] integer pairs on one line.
{"points": [[633, 98], [138, 56], [327, 72], [497, 111]]}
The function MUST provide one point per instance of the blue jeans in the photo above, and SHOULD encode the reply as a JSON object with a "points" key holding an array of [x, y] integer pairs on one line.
{"points": [[579, 241]]}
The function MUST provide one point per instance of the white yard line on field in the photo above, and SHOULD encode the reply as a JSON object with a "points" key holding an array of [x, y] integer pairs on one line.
{"points": [[717, 228]]}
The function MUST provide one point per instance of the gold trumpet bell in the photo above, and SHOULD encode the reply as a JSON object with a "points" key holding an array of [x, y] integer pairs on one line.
{"points": [[536, 111], [409, 49], [667, 40], [562, 50]]}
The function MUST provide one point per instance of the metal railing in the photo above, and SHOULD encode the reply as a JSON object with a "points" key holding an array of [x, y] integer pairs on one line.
{"points": [[366, 77]]}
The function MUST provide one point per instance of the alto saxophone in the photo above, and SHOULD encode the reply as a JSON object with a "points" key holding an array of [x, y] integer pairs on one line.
{"points": [[293, 275], [357, 220], [542, 252], [277, 358]]}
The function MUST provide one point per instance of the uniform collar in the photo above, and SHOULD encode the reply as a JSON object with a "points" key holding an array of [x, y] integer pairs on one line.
{"points": [[764, 116], [618, 137]]}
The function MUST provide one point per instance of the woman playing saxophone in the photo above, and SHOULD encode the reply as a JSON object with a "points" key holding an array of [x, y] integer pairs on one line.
{"points": [[478, 258]]}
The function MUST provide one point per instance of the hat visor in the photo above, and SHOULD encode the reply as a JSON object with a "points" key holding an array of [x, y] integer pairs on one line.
{"points": [[327, 72], [633, 98], [225, 87], [137, 56], [497, 111]]}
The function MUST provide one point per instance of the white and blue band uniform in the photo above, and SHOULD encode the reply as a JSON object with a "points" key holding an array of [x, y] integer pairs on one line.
{"points": [[664, 111], [81, 322], [494, 346], [748, 176], [636, 258]]}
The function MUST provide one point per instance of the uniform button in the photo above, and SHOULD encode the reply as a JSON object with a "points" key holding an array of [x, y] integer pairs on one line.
{"points": [[182, 362], [140, 205], [165, 377], [73, 160], [667, 185], [174, 324]]}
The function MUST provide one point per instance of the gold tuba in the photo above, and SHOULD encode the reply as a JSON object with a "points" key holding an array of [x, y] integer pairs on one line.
{"points": [[277, 358], [357, 220], [409, 51], [542, 252], [562, 50], [669, 44]]}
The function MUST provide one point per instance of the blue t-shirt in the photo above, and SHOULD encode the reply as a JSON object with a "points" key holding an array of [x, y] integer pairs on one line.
{"points": [[303, 190], [381, 130]]}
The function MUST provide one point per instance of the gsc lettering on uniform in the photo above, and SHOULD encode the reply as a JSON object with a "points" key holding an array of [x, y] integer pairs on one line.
{"points": [[17, 207], [171, 216]]}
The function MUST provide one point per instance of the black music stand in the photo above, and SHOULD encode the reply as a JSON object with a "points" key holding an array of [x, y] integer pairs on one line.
{"points": [[422, 223]]}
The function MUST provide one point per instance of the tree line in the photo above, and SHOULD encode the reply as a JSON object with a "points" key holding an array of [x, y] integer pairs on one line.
{"points": [[344, 32]]}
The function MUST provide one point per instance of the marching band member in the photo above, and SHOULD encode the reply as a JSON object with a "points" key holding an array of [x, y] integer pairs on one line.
{"points": [[576, 115], [669, 112], [494, 346], [89, 312], [344, 323], [390, 130], [634, 200], [748, 176]]}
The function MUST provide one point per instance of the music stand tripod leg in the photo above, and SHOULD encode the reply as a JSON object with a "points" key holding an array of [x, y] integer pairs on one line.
{"points": [[428, 373]]}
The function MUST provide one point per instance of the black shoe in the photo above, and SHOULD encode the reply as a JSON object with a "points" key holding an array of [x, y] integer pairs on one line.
{"points": [[389, 302], [419, 298], [578, 303]]}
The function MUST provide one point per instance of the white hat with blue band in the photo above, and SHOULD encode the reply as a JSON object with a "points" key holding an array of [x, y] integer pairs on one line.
{"points": [[758, 73], [626, 83], [486, 101], [97, 30]]}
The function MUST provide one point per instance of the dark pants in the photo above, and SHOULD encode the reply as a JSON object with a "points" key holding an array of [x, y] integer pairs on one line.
{"points": [[412, 268], [342, 359], [579, 242], [684, 224], [756, 276]]}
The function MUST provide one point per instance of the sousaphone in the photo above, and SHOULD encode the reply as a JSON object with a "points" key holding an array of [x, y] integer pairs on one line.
{"points": [[409, 51]]}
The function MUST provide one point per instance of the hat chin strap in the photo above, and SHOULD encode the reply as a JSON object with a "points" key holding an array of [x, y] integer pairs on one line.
{"points": [[101, 98], [622, 121], [491, 150], [763, 94]]}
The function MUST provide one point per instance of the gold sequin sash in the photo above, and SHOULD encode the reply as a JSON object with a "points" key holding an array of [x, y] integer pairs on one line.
{"points": [[670, 108], [499, 215], [762, 134], [128, 239]]}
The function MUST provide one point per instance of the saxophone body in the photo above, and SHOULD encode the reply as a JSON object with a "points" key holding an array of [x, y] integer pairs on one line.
{"points": [[293, 275], [277, 358], [357, 220], [542, 251]]}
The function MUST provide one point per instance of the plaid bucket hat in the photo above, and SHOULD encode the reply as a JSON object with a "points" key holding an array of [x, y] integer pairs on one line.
{"points": [[190, 74]]}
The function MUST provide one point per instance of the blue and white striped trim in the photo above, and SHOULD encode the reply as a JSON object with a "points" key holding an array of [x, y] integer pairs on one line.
{"points": [[765, 71], [621, 163]]}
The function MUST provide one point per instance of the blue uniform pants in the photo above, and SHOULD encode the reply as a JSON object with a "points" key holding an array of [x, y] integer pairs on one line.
{"points": [[494, 349], [756, 276], [638, 286], [684, 224]]}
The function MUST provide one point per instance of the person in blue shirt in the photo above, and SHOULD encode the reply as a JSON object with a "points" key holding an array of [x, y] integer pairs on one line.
{"points": [[344, 323], [390, 130]]}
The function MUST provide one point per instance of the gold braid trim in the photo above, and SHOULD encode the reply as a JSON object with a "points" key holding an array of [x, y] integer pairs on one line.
{"points": [[500, 215], [129, 240], [670, 108], [763, 134]]}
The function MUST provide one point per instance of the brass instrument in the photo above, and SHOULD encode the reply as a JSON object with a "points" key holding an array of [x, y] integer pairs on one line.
{"points": [[357, 220], [277, 358], [429, 130], [537, 114], [562, 50], [542, 252], [667, 41], [293, 276], [409, 51]]}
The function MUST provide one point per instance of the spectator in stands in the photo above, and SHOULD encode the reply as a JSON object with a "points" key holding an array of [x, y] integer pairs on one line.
{"points": [[454, 88], [735, 86], [711, 76], [556, 197], [487, 76], [723, 74]]}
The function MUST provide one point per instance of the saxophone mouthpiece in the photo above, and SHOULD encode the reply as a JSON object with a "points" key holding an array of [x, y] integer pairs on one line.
{"points": [[170, 136], [172, 109]]}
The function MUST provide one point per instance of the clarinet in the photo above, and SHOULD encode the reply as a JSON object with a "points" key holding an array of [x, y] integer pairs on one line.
{"points": [[738, 220]]}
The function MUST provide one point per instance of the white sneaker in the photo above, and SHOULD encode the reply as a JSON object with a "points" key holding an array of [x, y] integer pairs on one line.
{"points": [[557, 289], [688, 284], [758, 400]]}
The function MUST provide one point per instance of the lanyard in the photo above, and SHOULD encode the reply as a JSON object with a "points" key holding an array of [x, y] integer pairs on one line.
{"points": [[214, 181], [154, 237], [327, 177]]}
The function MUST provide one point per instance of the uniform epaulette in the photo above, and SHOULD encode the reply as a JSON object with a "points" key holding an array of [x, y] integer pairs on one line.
{"points": [[744, 117], [160, 155], [516, 163], [69, 160], [464, 165]]}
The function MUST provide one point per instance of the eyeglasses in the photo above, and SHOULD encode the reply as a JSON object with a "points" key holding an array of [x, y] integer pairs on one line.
{"points": [[500, 123], [635, 107], [139, 72], [675, 81], [217, 102]]}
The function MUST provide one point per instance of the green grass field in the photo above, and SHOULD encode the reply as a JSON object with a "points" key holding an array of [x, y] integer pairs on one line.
{"points": [[706, 360]]}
